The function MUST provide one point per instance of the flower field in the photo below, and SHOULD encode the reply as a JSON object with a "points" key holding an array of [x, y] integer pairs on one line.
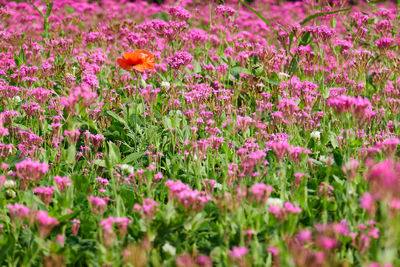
{"points": [[199, 133]]}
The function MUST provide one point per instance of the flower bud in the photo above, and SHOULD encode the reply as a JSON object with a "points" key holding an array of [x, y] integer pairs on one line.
{"points": [[9, 184], [10, 194]]}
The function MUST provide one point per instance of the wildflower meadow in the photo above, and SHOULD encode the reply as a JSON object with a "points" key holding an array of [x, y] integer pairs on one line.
{"points": [[199, 133]]}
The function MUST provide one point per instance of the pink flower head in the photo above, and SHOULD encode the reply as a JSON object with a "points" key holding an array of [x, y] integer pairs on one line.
{"points": [[75, 226], [351, 168], [62, 182], [389, 146], [277, 211], [238, 252], [273, 250], [98, 205], [45, 222], [280, 149], [148, 208], [292, 208], [29, 170], [178, 13], [158, 176], [327, 242], [261, 192], [18, 210], [44, 193], [121, 223], [295, 153], [304, 235], [179, 59]]}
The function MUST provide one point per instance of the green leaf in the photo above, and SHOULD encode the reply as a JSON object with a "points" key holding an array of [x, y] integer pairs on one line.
{"points": [[99, 162], [261, 17], [294, 63], [17, 60], [71, 152], [195, 223], [132, 157], [274, 79], [113, 153], [322, 14], [69, 9], [49, 8], [116, 117], [306, 39], [66, 217], [10, 245], [161, 15], [235, 71], [337, 155], [196, 67]]}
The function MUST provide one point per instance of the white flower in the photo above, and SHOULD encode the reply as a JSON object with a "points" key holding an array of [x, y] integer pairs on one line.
{"points": [[169, 249], [283, 75], [142, 83], [316, 135], [327, 160], [274, 202], [218, 186], [10, 193], [127, 168], [165, 84], [9, 184], [16, 99], [260, 85]]}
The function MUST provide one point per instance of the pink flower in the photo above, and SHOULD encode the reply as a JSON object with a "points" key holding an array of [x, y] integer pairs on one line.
{"points": [[75, 226], [158, 176], [107, 225], [204, 261], [29, 170], [304, 235], [389, 146], [351, 168], [62, 182], [295, 153], [44, 193], [98, 204], [45, 222], [280, 149], [277, 211], [18, 210], [273, 250], [60, 239], [149, 208], [367, 201], [292, 208], [261, 192], [327, 242], [238, 252]]}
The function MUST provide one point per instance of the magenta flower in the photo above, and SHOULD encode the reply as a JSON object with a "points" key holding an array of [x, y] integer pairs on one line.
{"points": [[238, 252], [75, 226], [261, 192], [99, 205], [44, 193], [29, 170], [291, 208], [62, 182], [45, 223], [18, 210], [179, 59]]}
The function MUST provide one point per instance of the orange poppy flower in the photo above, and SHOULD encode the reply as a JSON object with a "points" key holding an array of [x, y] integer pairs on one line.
{"points": [[140, 60]]}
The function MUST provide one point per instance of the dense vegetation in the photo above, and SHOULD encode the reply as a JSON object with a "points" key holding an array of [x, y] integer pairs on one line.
{"points": [[266, 135]]}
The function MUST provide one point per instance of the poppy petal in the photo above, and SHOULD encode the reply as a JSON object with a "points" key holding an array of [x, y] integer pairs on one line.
{"points": [[140, 60], [124, 64], [133, 57]]}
